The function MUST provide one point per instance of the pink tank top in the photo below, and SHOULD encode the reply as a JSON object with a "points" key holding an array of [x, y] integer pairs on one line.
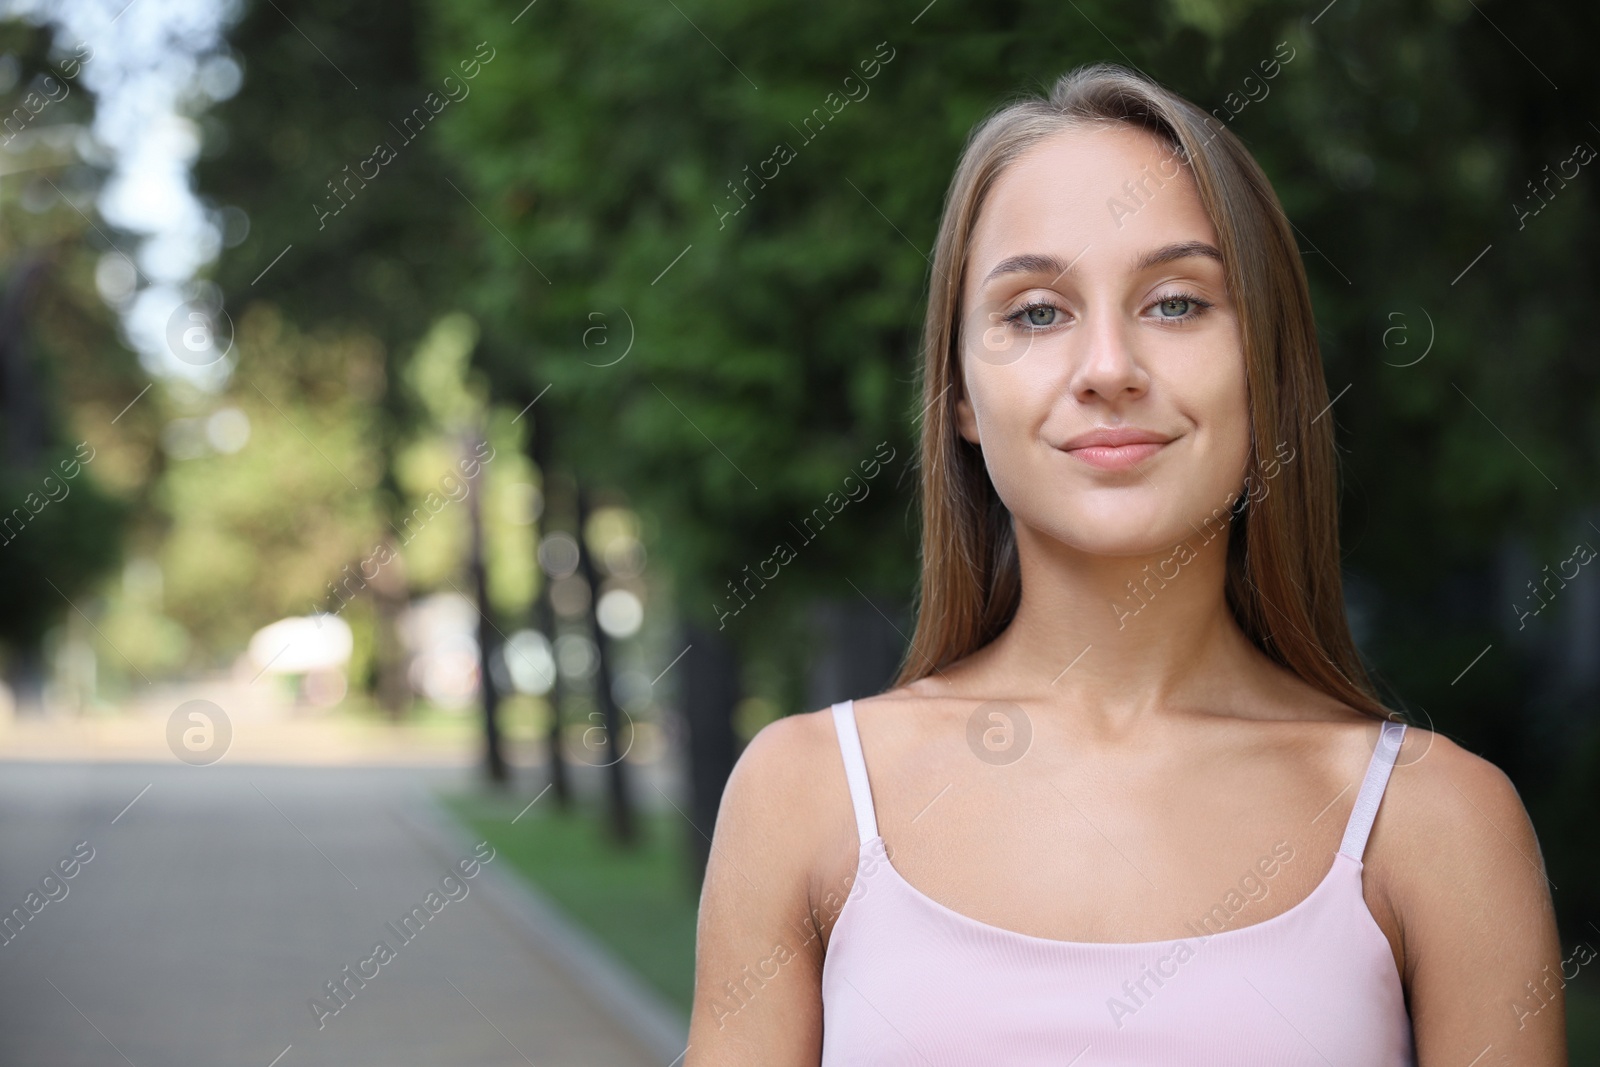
{"points": [[908, 981]]}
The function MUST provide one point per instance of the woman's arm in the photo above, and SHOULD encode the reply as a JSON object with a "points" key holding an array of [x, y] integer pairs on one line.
{"points": [[1483, 957], [758, 958]]}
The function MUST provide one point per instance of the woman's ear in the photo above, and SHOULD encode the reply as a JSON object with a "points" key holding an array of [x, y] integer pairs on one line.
{"points": [[967, 421]]}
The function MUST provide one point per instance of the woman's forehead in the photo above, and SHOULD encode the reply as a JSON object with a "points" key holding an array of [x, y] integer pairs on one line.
{"points": [[1103, 195]]}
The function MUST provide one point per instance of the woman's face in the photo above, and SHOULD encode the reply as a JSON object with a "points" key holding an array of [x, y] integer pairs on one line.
{"points": [[1090, 302]]}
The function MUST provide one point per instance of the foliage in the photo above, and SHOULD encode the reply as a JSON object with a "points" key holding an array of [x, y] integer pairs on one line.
{"points": [[65, 374], [258, 533], [288, 147], [369, 259]]}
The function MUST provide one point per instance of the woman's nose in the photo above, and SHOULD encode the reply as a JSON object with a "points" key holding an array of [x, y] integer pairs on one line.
{"points": [[1104, 358]]}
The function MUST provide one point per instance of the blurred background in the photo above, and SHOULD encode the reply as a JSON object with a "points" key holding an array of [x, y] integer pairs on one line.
{"points": [[425, 424]]}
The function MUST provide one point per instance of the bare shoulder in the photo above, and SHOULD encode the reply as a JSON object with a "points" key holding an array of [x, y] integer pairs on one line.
{"points": [[916, 703], [789, 778], [1450, 801], [788, 797], [782, 756], [1463, 868], [784, 813], [1456, 826]]}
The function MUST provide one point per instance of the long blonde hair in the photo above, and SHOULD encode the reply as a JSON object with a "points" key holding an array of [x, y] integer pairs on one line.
{"points": [[1283, 579]]}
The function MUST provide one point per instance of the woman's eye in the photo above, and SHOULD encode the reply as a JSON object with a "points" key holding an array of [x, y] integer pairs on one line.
{"points": [[1180, 307], [1033, 316], [1175, 308]]}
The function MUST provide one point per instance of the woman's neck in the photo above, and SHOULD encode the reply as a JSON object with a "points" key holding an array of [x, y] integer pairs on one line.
{"points": [[1119, 638]]}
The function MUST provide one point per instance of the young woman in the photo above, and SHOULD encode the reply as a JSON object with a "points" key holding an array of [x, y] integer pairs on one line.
{"points": [[1133, 800]]}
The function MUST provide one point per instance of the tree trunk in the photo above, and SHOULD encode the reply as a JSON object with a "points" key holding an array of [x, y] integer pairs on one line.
{"points": [[23, 405], [710, 689], [540, 445], [858, 648], [23, 408], [494, 756], [391, 685], [623, 826]]}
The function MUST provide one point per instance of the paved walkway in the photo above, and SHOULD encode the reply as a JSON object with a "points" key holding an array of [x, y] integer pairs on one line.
{"points": [[219, 901]]}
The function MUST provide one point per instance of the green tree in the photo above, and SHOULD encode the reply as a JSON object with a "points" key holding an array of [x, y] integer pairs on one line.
{"points": [[63, 372], [352, 223]]}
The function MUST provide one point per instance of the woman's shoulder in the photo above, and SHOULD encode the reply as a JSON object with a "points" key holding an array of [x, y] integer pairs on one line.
{"points": [[1452, 810], [788, 792], [1439, 794], [1460, 863], [796, 764], [780, 767]]}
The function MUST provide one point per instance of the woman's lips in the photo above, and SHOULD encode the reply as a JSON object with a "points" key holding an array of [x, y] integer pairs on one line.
{"points": [[1116, 457]]}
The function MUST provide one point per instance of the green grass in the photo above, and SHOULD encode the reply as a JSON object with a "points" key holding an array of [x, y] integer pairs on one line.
{"points": [[637, 903]]}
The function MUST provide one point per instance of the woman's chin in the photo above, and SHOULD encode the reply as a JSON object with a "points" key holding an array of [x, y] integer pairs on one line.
{"points": [[1116, 537]]}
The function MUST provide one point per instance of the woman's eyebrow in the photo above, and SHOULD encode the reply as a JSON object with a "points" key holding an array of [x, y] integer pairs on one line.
{"points": [[1181, 250], [1044, 263]]}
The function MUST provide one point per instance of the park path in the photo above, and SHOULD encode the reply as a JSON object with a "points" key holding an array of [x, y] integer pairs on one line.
{"points": [[219, 900]]}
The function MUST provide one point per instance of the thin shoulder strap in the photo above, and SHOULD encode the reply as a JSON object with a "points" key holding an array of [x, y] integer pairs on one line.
{"points": [[855, 769], [1371, 795]]}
